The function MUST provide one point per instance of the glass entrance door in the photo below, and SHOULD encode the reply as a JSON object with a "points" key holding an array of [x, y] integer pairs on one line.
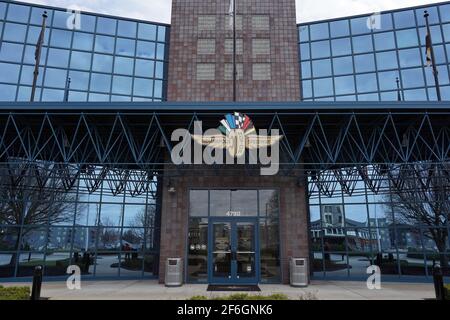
{"points": [[233, 257]]}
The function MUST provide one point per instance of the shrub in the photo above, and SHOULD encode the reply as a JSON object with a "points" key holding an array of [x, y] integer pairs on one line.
{"points": [[14, 293], [447, 291], [244, 296]]}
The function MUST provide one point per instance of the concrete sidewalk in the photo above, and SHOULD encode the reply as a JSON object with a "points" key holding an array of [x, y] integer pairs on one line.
{"points": [[151, 290]]}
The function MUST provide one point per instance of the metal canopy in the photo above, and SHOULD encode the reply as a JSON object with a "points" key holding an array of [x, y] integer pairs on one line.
{"points": [[127, 139]]}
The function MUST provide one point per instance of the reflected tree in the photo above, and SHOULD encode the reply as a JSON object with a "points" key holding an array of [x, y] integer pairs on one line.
{"points": [[36, 195], [420, 196]]}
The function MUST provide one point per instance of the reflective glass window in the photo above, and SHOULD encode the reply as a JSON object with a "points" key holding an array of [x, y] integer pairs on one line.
{"points": [[160, 52], [341, 47], [320, 49], [158, 89], [52, 95], [126, 29], [2, 10], [339, 28], [323, 87], [106, 26], [55, 78], [303, 33], [58, 58], [321, 68], [344, 85], [159, 70], [11, 52], [115, 98], [343, 65], [30, 55], [7, 92], [125, 47], [387, 60], [442, 75], [143, 87], [14, 32], [102, 63], [359, 25], [161, 33], [446, 30], [436, 35], [445, 12], [304, 51], [415, 95], [410, 58], [389, 96], [123, 66], [388, 80], [24, 94], [306, 70], [307, 88], [83, 41], [33, 35], [79, 80], [384, 41], [366, 82], [61, 19], [147, 31], [362, 44], [433, 18], [122, 85], [98, 97], [100, 82], [385, 23], [146, 49], [87, 23], [80, 60], [104, 44], [10, 72], [439, 54], [61, 38], [18, 13], [404, 19], [407, 38], [319, 31], [27, 75], [144, 68], [364, 63], [412, 78]]}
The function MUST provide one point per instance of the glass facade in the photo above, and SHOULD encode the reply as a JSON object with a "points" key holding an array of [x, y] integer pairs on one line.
{"points": [[106, 59], [108, 228], [351, 60], [399, 231]]}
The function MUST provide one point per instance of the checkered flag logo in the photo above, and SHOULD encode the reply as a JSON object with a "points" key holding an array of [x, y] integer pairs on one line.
{"points": [[239, 119]]}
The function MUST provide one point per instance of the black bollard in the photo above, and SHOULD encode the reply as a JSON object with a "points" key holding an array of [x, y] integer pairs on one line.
{"points": [[438, 280], [37, 283]]}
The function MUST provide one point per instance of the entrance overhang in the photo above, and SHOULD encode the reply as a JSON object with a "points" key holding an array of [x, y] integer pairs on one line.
{"points": [[319, 136]]}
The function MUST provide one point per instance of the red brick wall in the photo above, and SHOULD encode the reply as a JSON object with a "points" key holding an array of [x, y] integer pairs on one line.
{"points": [[293, 215], [283, 58]]}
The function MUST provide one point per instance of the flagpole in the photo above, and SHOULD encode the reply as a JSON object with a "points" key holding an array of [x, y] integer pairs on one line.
{"points": [[433, 60], [38, 56], [399, 97], [66, 92], [234, 53]]}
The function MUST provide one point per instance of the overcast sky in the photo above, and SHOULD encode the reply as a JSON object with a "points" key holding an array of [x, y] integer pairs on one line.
{"points": [[307, 10]]}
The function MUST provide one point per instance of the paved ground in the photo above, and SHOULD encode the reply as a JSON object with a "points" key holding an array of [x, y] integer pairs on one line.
{"points": [[151, 290]]}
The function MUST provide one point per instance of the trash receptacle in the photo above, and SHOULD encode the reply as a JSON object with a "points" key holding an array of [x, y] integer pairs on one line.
{"points": [[299, 272], [174, 272]]}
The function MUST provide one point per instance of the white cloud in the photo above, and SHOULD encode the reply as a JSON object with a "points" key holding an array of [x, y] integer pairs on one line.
{"points": [[307, 10]]}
